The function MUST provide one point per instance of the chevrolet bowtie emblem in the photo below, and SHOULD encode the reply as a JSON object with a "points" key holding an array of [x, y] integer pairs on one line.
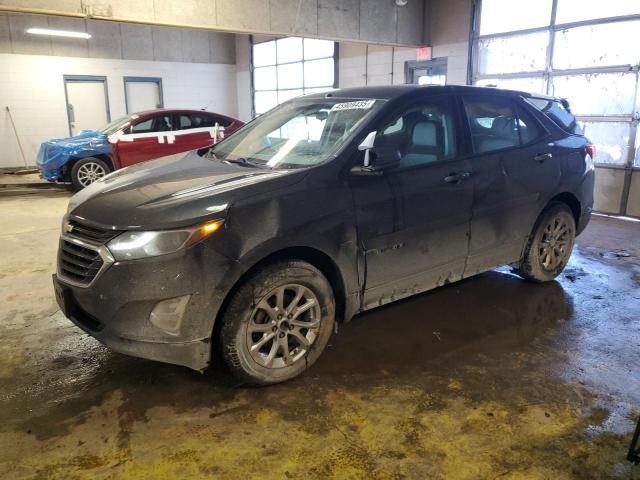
{"points": [[68, 228]]}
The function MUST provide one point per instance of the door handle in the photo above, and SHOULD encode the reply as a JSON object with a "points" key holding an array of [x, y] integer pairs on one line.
{"points": [[454, 177], [541, 157]]}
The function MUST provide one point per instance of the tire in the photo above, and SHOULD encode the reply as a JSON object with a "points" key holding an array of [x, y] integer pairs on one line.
{"points": [[550, 244], [88, 170], [261, 314]]}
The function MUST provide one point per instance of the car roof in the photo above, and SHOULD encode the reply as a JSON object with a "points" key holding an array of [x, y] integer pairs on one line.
{"points": [[390, 92], [146, 113]]}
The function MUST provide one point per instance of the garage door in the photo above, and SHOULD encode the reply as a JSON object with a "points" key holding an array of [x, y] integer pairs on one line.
{"points": [[583, 51]]}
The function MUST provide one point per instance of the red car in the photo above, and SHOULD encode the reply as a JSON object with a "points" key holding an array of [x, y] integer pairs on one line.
{"points": [[142, 136]]}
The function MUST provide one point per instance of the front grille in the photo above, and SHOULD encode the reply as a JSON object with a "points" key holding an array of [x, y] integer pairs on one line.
{"points": [[78, 263], [93, 234]]}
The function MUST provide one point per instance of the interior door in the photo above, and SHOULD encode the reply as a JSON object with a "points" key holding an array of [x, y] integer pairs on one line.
{"points": [[428, 199], [142, 94], [516, 169], [86, 103], [146, 139]]}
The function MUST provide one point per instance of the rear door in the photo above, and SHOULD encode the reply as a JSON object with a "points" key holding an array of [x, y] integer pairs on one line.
{"points": [[431, 201], [515, 173], [196, 130], [146, 139]]}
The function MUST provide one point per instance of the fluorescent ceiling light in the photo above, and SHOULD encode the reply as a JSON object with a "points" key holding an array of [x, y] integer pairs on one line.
{"points": [[58, 33]]}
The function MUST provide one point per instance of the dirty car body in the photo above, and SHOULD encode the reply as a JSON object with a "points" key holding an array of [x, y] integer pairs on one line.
{"points": [[463, 199]]}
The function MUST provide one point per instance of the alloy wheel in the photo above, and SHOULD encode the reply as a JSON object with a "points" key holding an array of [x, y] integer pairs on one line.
{"points": [[555, 245], [283, 326], [90, 172]]}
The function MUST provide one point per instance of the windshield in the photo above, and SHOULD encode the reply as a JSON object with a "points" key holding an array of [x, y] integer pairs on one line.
{"points": [[116, 125], [297, 134]]}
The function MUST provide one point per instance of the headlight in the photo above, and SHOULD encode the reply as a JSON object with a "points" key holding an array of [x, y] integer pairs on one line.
{"points": [[134, 245]]}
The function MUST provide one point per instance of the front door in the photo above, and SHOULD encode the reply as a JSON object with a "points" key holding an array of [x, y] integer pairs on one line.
{"points": [[413, 221], [87, 105], [146, 139], [516, 169]]}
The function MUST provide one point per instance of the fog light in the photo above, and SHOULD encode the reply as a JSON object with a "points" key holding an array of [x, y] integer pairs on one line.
{"points": [[167, 314]]}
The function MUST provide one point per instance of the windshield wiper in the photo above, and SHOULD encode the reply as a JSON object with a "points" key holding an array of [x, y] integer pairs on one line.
{"points": [[244, 162]]}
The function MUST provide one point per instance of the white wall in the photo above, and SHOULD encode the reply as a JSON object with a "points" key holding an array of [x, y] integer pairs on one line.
{"points": [[457, 59], [33, 88]]}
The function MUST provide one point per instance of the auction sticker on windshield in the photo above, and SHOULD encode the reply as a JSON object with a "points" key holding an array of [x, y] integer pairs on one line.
{"points": [[357, 105]]}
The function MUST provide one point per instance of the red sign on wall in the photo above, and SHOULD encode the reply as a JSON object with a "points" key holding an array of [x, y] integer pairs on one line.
{"points": [[424, 53]]}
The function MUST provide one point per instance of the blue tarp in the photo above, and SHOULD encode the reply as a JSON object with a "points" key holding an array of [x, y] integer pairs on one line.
{"points": [[54, 154]]}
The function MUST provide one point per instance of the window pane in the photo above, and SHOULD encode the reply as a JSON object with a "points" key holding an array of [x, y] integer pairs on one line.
{"points": [[318, 73], [576, 10], [317, 48], [611, 140], [284, 95], [636, 157], [289, 49], [264, 54], [529, 84], [265, 101], [264, 78], [493, 123], [290, 75], [424, 134], [598, 93], [528, 127], [515, 53], [509, 15], [601, 45]]}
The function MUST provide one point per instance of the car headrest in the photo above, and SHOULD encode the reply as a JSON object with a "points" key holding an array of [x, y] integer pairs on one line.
{"points": [[424, 134], [503, 126]]}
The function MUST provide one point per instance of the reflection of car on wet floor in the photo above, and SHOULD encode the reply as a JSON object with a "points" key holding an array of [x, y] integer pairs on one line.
{"points": [[90, 155]]}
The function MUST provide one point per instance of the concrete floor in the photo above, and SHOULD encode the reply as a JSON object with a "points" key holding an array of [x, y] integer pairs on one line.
{"points": [[489, 378]]}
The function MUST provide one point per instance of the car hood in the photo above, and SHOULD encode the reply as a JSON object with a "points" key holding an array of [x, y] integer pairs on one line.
{"points": [[172, 192], [82, 138]]}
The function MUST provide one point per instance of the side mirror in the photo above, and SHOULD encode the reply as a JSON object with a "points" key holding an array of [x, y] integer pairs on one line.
{"points": [[376, 159], [380, 158]]}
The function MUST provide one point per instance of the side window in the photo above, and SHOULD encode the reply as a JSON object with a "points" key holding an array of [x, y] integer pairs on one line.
{"points": [[423, 134], [493, 123], [184, 121], [161, 123], [529, 129]]}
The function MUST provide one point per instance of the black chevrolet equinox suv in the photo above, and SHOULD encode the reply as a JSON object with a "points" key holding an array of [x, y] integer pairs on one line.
{"points": [[328, 205]]}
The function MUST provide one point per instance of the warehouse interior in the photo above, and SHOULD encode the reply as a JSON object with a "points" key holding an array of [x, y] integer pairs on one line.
{"points": [[490, 377]]}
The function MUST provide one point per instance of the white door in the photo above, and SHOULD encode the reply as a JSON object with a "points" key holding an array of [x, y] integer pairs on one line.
{"points": [[142, 96], [87, 105]]}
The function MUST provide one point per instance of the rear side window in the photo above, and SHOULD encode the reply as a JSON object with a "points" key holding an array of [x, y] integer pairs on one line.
{"points": [[194, 120], [161, 123], [495, 125], [557, 112]]}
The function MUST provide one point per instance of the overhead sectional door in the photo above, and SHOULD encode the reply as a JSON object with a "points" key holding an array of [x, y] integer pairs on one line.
{"points": [[583, 51]]}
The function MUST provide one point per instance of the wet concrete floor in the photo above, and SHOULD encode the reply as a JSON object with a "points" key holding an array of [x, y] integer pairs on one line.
{"points": [[488, 378]]}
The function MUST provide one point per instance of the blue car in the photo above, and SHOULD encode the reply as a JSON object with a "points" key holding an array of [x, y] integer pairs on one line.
{"points": [[81, 159], [92, 154]]}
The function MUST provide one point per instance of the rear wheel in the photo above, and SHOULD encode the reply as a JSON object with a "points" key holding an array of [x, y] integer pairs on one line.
{"points": [[550, 244], [277, 323], [88, 170]]}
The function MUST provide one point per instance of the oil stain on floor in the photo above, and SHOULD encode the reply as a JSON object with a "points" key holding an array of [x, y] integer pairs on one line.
{"points": [[492, 377]]}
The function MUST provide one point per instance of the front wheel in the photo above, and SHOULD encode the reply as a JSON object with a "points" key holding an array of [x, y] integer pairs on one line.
{"points": [[88, 170], [550, 244], [277, 323]]}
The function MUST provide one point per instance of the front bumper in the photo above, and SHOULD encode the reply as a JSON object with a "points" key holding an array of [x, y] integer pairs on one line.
{"points": [[116, 307]]}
